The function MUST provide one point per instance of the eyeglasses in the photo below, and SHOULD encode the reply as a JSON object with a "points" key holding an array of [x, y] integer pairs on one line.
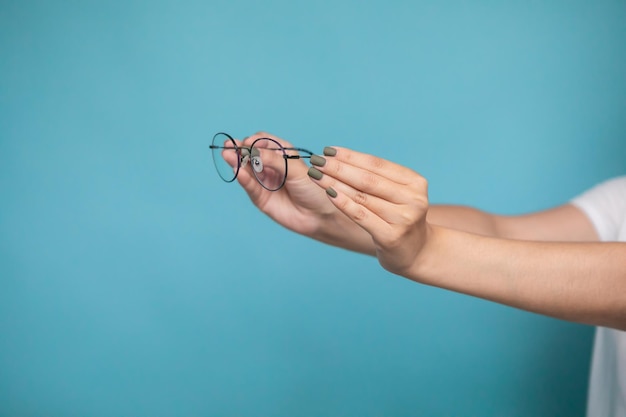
{"points": [[268, 159]]}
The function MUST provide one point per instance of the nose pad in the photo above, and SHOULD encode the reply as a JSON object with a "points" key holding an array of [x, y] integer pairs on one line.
{"points": [[245, 157], [257, 164]]}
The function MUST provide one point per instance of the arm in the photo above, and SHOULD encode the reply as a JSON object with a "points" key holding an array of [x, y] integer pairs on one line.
{"points": [[583, 282], [563, 223], [304, 208]]}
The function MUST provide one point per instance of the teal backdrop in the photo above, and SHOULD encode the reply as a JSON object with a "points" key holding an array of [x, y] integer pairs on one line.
{"points": [[134, 282]]}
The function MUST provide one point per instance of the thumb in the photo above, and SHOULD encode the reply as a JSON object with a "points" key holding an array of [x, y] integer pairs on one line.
{"points": [[247, 181]]}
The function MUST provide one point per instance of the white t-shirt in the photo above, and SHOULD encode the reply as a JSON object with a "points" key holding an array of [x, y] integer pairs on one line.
{"points": [[605, 205]]}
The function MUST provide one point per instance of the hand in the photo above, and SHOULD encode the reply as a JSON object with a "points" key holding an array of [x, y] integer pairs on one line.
{"points": [[387, 200], [299, 205]]}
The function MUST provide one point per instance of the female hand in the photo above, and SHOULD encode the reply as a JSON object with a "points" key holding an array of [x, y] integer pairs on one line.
{"points": [[300, 205], [385, 199]]}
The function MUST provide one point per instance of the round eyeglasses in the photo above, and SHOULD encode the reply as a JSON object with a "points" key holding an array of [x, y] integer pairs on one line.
{"points": [[267, 158]]}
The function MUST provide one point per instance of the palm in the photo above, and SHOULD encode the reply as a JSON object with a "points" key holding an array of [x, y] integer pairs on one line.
{"points": [[299, 206]]}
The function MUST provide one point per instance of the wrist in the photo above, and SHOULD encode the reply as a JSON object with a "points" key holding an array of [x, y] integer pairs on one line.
{"points": [[432, 257]]}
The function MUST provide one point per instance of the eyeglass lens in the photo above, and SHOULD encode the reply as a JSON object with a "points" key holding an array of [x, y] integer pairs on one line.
{"points": [[224, 150], [267, 159], [268, 163]]}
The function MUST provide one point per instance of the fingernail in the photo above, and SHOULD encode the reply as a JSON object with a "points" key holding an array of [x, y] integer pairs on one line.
{"points": [[328, 151], [331, 192], [315, 173], [318, 161]]}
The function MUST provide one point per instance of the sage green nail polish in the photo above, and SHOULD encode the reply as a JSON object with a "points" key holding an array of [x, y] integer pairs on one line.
{"points": [[331, 192], [315, 173], [328, 151], [319, 161]]}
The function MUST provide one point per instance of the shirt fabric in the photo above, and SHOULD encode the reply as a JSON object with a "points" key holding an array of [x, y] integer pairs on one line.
{"points": [[605, 205]]}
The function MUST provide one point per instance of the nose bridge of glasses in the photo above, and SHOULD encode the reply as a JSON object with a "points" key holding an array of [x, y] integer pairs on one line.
{"points": [[244, 156], [252, 152]]}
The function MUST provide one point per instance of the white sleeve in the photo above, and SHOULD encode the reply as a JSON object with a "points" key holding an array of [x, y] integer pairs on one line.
{"points": [[605, 205]]}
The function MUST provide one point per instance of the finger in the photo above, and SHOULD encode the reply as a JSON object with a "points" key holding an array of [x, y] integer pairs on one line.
{"points": [[363, 181], [382, 167], [391, 212], [248, 182], [230, 157], [359, 214]]}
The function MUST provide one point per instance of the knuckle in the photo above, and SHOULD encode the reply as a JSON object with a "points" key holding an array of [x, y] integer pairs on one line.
{"points": [[419, 189], [334, 167], [407, 217], [376, 162], [360, 198], [418, 201], [391, 239], [421, 183], [342, 205], [369, 179], [360, 215]]}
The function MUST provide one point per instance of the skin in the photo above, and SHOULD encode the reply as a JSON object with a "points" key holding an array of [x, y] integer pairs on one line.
{"points": [[549, 262]]}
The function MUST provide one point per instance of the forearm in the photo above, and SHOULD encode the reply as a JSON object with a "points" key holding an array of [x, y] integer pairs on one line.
{"points": [[581, 282], [530, 269], [562, 223], [338, 230]]}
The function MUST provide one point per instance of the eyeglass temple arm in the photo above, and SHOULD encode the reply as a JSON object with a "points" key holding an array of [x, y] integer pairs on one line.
{"points": [[286, 156], [298, 156], [221, 147]]}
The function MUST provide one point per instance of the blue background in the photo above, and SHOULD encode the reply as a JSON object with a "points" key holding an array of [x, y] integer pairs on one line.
{"points": [[134, 282]]}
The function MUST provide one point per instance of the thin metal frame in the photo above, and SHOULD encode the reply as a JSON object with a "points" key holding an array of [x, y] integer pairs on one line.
{"points": [[280, 147]]}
